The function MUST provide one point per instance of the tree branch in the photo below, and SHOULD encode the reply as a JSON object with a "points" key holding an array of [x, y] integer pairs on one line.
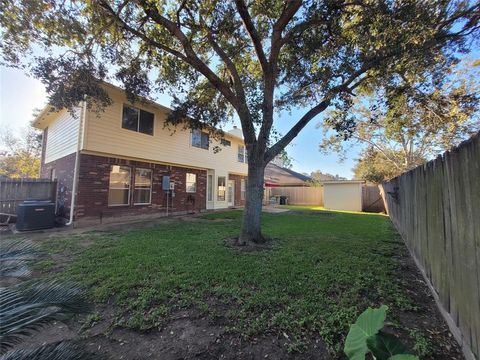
{"points": [[245, 119], [379, 149], [270, 76], [293, 132], [191, 56], [252, 31], [139, 34], [287, 15], [305, 119], [228, 63]]}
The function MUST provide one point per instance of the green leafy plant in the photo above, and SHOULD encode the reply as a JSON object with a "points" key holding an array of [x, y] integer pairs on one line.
{"points": [[365, 336]]}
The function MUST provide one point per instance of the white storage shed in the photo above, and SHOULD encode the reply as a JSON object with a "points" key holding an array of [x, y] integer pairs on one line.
{"points": [[343, 195]]}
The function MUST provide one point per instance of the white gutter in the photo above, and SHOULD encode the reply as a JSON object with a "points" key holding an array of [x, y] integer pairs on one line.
{"points": [[77, 163]]}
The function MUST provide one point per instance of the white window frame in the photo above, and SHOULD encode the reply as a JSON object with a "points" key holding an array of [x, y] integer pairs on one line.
{"points": [[242, 154], [187, 182], [129, 186], [135, 186]]}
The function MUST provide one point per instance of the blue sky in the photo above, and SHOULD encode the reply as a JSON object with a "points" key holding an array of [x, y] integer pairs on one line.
{"points": [[20, 95]]}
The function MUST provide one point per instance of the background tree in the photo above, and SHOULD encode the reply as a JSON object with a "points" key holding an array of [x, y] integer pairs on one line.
{"points": [[249, 59], [400, 128], [373, 166], [21, 157], [318, 177]]}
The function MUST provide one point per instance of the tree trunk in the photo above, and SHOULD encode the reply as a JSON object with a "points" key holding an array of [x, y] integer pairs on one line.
{"points": [[251, 225]]}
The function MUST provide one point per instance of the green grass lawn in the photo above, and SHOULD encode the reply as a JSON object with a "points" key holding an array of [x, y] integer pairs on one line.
{"points": [[324, 269]]}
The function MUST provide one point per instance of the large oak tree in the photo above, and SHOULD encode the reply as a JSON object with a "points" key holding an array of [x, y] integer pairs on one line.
{"points": [[246, 59]]}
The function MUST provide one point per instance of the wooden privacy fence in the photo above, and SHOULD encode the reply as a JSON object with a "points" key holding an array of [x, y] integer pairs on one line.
{"points": [[436, 209], [372, 200], [15, 191], [300, 195]]}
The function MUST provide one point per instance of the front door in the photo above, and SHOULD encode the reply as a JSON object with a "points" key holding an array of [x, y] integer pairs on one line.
{"points": [[231, 193]]}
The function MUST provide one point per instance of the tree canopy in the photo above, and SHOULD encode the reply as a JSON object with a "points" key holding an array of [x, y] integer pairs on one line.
{"points": [[318, 177], [21, 159], [217, 57]]}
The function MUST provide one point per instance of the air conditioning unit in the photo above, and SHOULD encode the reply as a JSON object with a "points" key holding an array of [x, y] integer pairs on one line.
{"points": [[35, 215]]}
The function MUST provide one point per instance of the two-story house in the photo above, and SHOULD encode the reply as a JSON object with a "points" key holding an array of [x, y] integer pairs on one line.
{"points": [[120, 162]]}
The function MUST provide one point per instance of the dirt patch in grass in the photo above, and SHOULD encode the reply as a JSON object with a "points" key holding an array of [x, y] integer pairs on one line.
{"points": [[188, 335], [422, 328], [233, 243], [215, 219]]}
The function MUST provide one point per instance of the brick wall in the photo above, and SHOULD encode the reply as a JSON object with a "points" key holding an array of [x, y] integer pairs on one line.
{"points": [[94, 175], [238, 189], [63, 170]]}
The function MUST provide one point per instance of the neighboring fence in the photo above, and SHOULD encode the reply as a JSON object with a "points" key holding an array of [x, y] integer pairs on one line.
{"points": [[299, 195], [436, 209], [15, 191], [372, 200]]}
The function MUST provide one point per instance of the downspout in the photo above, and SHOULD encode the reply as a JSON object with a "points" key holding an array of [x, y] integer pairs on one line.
{"points": [[77, 163]]}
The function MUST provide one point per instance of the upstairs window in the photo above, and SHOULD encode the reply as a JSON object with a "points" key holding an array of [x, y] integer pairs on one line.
{"points": [[200, 139], [242, 154], [191, 183], [137, 120], [225, 142]]}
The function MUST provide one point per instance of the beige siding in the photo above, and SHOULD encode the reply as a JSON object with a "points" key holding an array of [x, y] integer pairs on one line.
{"points": [[62, 136], [104, 134]]}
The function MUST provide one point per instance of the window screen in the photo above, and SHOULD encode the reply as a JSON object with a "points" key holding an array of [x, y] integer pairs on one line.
{"points": [[119, 186], [143, 186], [191, 183]]}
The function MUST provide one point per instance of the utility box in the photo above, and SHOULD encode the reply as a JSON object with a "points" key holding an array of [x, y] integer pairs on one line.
{"points": [[35, 215], [165, 183]]}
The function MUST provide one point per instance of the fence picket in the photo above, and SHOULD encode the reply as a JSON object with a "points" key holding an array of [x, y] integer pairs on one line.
{"points": [[15, 191], [436, 209]]}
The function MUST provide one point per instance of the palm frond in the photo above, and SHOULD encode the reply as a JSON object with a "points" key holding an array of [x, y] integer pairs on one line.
{"points": [[57, 351], [29, 306], [14, 256]]}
